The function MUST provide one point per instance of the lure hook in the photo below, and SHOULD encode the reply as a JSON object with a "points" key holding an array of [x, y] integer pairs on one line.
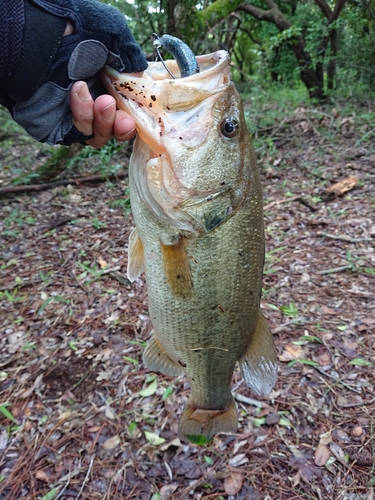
{"points": [[157, 45]]}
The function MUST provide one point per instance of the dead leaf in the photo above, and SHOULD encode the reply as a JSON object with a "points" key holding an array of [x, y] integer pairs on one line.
{"points": [[168, 490], [15, 341], [338, 452], [321, 455], [368, 321], [239, 459], [357, 431], [325, 438], [291, 352], [328, 310], [341, 436], [233, 483], [42, 476], [342, 187], [36, 384], [102, 263], [324, 359], [111, 442]]}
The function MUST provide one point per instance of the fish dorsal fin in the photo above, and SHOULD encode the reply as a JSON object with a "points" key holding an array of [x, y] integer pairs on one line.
{"points": [[136, 260], [259, 365], [177, 270], [158, 360]]}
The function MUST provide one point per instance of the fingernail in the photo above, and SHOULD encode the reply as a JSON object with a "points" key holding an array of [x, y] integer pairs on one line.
{"points": [[83, 92], [129, 135], [108, 113]]}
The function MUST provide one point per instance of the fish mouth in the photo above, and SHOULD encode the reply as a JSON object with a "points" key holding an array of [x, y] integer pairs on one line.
{"points": [[158, 103], [172, 116]]}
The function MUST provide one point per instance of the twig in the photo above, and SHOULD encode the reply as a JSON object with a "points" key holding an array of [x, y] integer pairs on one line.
{"points": [[335, 270], [49, 185], [248, 401], [279, 202], [66, 485], [343, 237], [86, 478]]}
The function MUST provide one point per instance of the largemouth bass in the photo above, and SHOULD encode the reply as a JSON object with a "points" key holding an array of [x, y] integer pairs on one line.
{"points": [[197, 204]]}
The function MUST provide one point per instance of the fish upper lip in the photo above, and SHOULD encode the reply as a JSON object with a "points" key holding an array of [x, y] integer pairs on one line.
{"points": [[149, 97]]}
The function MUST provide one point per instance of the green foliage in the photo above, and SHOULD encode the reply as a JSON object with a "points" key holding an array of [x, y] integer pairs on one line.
{"points": [[197, 439]]}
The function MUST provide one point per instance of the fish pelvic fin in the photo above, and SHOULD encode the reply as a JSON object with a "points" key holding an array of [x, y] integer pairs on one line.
{"points": [[199, 426], [158, 360], [136, 258], [177, 270], [259, 365]]}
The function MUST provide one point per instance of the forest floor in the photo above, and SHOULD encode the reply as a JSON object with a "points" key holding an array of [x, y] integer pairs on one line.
{"points": [[80, 415]]}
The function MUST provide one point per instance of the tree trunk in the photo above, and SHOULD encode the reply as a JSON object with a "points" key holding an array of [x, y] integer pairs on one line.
{"points": [[312, 81]]}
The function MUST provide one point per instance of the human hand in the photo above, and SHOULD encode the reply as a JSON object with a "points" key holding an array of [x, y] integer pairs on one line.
{"points": [[99, 118], [69, 42]]}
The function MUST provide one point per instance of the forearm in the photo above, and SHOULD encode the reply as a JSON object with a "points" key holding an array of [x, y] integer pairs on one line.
{"points": [[11, 26]]}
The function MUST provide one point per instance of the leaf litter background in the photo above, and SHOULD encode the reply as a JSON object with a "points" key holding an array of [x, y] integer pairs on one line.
{"points": [[80, 415]]}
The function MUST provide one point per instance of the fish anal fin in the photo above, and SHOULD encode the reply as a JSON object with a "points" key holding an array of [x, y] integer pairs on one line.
{"points": [[198, 423], [177, 269], [136, 259], [259, 364], [158, 360]]}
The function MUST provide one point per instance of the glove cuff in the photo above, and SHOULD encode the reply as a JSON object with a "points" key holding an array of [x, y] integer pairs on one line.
{"points": [[37, 51]]}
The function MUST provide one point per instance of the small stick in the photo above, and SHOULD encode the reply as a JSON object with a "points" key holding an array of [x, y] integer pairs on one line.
{"points": [[248, 401], [343, 237], [49, 185], [86, 478], [335, 270]]}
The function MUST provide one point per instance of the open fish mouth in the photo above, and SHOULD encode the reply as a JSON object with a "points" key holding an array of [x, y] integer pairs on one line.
{"points": [[165, 102], [174, 117]]}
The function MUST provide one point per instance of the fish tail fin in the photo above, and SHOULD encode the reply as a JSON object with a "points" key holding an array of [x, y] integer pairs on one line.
{"points": [[198, 425], [259, 364], [158, 360]]}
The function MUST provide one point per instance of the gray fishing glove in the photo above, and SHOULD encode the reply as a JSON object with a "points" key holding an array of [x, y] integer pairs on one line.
{"points": [[38, 95]]}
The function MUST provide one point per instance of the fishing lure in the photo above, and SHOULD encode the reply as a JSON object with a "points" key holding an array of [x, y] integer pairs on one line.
{"points": [[182, 53]]}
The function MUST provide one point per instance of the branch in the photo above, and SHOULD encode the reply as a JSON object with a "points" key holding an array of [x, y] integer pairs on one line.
{"points": [[324, 7], [330, 14], [273, 15], [49, 185], [340, 4]]}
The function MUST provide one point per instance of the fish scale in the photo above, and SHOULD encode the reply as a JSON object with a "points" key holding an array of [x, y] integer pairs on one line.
{"points": [[197, 204]]}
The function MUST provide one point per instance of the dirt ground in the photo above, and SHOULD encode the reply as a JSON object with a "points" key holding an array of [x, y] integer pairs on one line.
{"points": [[80, 415]]}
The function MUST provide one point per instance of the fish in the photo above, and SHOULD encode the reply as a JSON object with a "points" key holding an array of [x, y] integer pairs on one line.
{"points": [[196, 199]]}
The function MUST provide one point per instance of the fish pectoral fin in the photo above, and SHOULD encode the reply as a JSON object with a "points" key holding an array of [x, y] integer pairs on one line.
{"points": [[158, 360], [136, 258], [177, 269], [259, 365], [198, 422]]}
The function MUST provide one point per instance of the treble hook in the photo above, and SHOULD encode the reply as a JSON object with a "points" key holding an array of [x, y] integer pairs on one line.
{"points": [[157, 44]]}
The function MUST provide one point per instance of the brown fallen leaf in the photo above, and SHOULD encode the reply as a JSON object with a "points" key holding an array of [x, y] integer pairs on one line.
{"points": [[342, 187], [42, 476], [325, 438], [291, 352], [357, 431], [233, 483], [321, 455], [328, 310], [338, 452], [111, 442]]}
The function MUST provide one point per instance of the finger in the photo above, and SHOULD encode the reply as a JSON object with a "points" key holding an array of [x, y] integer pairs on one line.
{"points": [[124, 127], [104, 119], [82, 105]]}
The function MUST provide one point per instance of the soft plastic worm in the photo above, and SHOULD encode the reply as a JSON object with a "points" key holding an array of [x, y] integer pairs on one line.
{"points": [[182, 53]]}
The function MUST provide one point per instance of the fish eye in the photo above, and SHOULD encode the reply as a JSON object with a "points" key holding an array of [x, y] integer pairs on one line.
{"points": [[229, 127]]}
